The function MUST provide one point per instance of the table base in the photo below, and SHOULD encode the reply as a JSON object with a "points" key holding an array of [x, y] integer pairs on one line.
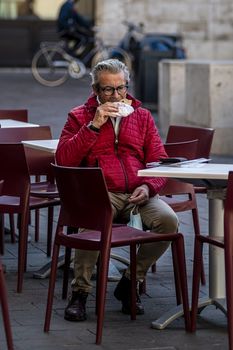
{"points": [[177, 311]]}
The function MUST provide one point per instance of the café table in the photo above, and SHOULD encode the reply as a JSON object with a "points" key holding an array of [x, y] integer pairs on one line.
{"points": [[114, 274], [214, 177], [11, 123], [43, 145]]}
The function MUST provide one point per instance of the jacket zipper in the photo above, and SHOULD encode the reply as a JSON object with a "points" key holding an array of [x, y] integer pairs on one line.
{"points": [[122, 164]]}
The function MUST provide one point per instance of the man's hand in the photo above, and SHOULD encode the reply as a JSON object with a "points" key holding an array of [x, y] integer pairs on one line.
{"points": [[140, 195], [103, 112]]}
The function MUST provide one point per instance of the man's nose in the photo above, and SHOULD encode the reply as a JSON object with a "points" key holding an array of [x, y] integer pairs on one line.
{"points": [[115, 92]]}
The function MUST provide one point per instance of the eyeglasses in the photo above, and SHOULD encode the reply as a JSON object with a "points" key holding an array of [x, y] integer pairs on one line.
{"points": [[109, 90]]}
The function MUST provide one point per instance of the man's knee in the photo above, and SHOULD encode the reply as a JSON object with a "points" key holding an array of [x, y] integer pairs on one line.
{"points": [[172, 222], [168, 222]]}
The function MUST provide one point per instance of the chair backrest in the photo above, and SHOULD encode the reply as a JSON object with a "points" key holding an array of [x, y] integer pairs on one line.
{"points": [[228, 214], [84, 198], [16, 114], [178, 133], [39, 162], [14, 170], [25, 133], [186, 149]]}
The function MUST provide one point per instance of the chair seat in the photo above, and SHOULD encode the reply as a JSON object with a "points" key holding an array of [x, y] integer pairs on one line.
{"points": [[12, 201], [44, 189], [9, 200], [36, 202], [121, 236]]}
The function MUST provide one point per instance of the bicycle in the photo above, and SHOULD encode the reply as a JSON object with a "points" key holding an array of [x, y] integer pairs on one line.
{"points": [[55, 62]]}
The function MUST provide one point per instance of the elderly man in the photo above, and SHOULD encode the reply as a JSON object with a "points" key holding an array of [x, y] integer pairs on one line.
{"points": [[102, 133]]}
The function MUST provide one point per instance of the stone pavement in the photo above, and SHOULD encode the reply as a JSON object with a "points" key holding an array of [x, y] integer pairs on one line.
{"points": [[27, 310]]}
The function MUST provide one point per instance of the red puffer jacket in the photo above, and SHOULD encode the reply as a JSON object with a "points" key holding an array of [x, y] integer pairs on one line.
{"points": [[138, 143]]}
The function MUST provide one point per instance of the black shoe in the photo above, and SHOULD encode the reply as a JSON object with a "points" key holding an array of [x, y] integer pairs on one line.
{"points": [[122, 293], [76, 309]]}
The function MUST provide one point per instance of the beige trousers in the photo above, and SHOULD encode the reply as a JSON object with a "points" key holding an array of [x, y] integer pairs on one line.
{"points": [[156, 216]]}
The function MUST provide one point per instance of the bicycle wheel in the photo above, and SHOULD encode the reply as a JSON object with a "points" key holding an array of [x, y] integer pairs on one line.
{"points": [[49, 67], [113, 52]]}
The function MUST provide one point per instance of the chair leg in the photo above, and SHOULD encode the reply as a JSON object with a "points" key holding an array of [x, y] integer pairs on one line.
{"points": [[197, 232], [50, 230], [22, 249], [176, 275], [101, 293], [97, 285], [229, 293], [133, 280], [70, 230], [2, 234], [37, 225], [12, 227], [51, 288], [180, 253], [66, 273], [196, 282], [5, 311]]}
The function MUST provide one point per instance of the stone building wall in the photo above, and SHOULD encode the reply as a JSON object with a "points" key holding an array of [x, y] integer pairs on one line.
{"points": [[206, 25]]}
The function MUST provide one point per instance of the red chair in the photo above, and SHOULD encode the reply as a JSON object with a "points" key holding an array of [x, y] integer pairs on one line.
{"points": [[180, 133], [225, 243], [4, 302], [39, 163], [85, 203], [15, 114], [22, 116], [16, 198], [180, 195]]}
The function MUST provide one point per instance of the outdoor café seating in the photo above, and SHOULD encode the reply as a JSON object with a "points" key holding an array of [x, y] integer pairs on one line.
{"points": [[42, 178], [16, 199]]}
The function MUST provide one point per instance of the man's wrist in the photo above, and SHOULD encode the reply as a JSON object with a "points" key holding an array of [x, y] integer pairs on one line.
{"points": [[92, 127]]}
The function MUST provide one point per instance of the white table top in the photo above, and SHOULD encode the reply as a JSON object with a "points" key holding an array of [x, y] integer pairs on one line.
{"points": [[200, 171], [43, 145], [11, 123]]}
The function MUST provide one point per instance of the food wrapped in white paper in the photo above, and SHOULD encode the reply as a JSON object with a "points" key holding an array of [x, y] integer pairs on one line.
{"points": [[123, 109]]}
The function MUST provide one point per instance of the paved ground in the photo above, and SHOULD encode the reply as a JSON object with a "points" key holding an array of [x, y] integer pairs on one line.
{"points": [[49, 107]]}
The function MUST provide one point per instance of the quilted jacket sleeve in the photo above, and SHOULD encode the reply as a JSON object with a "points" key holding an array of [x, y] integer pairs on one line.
{"points": [[76, 140]]}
